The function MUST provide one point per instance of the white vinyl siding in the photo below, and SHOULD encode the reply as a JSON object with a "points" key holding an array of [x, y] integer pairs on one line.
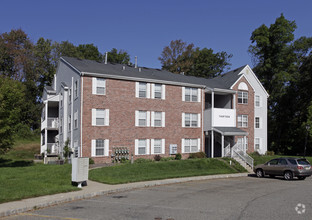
{"points": [[190, 120], [99, 147], [100, 117], [98, 86], [258, 101], [76, 120], [257, 144], [242, 121], [142, 146], [76, 89], [190, 94], [69, 122], [190, 145], [242, 97]]}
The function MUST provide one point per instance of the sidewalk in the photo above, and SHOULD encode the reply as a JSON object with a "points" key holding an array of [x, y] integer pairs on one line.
{"points": [[94, 189]]}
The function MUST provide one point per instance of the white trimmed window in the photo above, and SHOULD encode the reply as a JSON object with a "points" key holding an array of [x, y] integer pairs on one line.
{"points": [[142, 146], [257, 143], [257, 122], [98, 86], [242, 121], [190, 94], [242, 97], [157, 91], [76, 120], [142, 118], [76, 149], [157, 146], [142, 90], [240, 144], [190, 145], [158, 119], [100, 147], [190, 120], [100, 117], [257, 101], [76, 89]]}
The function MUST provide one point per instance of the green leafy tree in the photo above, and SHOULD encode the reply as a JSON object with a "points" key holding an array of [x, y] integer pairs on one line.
{"points": [[115, 56], [89, 52]]}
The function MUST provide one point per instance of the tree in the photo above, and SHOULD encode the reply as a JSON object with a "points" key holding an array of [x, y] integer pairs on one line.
{"points": [[121, 56], [89, 52], [11, 99], [182, 57]]}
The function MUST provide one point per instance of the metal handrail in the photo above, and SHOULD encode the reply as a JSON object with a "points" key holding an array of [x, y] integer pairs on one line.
{"points": [[246, 158]]}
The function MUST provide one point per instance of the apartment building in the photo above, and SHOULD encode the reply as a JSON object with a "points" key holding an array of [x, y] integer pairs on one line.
{"points": [[98, 107]]}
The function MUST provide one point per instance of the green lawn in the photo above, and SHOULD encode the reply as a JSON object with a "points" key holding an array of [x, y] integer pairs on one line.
{"points": [[136, 172], [264, 158], [36, 180]]}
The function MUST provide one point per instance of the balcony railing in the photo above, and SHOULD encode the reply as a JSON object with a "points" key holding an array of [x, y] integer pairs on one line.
{"points": [[53, 123]]}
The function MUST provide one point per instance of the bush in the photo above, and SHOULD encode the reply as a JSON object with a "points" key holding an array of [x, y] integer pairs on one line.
{"points": [[178, 156], [197, 155], [123, 160], [255, 154], [167, 158], [157, 157], [142, 160], [270, 153], [91, 161]]}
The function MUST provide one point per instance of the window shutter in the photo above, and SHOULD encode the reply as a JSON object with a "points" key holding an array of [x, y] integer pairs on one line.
{"points": [[147, 146], [198, 120], [107, 117], [93, 85], [136, 145], [163, 145], [183, 93], [136, 118], [148, 118], [93, 116], [152, 119], [106, 147], [199, 95], [198, 144], [183, 120], [137, 89], [182, 145], [93, 143], [152, 146], [163, 119], [153, 90], [148, 90], [163, 91]]}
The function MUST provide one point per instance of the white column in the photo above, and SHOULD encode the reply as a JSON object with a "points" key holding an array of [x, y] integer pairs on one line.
{"points": [[222, 145], [212, 109], [212, 144], [245, 149], [46, 139], [234, 107]]}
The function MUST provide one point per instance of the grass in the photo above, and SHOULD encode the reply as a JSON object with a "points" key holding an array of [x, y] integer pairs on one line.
{"points": [[136, 172], [260, 159], [35, 180]]}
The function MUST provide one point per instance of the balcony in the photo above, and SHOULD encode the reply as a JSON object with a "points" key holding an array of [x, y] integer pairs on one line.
{"points": [[52, 123]]}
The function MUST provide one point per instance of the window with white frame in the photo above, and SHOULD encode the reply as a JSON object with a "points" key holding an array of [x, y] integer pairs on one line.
{"points": [[76, 149], [100, 147], [69, 122], [76, 89], [257, 122], [157, 146], [257, 143], [240, 144], [257, 101], [141, 146], [190, 120], [190, 145], [76, 120], [242, 121], [142, 90], [242, 97], [157, 91], [191, 94], [142, 118], [98, 86], [157, 119], [100, 117]]}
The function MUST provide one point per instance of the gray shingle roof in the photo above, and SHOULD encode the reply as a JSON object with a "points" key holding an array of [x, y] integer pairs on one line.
{"points": [[122, 70]]}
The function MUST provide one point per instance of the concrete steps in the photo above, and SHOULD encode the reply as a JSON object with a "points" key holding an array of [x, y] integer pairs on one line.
{"points": [[244, 164]]}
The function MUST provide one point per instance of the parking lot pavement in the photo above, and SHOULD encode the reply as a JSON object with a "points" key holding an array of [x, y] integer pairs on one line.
{"points": [[234, 198]]}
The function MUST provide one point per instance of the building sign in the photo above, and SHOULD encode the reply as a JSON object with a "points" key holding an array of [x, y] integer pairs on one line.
{"points": [[224, 117]]}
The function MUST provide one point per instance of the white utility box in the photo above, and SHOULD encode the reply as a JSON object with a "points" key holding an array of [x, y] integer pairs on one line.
{"points": [[80, 170]]}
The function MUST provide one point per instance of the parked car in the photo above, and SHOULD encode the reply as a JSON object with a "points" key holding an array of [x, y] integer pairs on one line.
{"points": [[287, 167]]}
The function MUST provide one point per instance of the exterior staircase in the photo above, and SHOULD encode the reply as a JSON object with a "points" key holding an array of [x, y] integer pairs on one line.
{"points": [[240, 156]]}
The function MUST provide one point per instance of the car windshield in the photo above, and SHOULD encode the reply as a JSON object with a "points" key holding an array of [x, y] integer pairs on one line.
{"points": [[303, 162]]}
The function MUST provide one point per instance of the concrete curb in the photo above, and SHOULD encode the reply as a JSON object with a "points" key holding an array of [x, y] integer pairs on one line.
{"points": [[95, 189]]}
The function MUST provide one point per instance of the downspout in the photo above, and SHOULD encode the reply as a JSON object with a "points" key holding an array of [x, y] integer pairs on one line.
{"points": [[81, 111], [202, 119]]}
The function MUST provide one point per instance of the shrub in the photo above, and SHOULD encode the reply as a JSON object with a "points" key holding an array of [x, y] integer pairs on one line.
{"points": [[123, 160], [91, 161], [270, 153], [178, 156], [157, 157], [142, 160], [167, 158], [197, 155], [255, 154]]}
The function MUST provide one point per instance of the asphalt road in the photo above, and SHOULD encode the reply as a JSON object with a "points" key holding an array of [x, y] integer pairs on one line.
{"points": [[234, 198]]}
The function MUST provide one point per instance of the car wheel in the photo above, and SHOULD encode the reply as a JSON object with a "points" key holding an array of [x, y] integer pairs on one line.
{"points": [[301, 177], [272, 176], [259, 173], [288, 175]]}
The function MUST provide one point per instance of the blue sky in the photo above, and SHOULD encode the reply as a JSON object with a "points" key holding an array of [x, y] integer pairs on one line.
{"points": [[144, 28]]}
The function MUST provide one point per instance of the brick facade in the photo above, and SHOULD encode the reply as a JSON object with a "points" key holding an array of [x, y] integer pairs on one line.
{"points": [[121, 101], [246, 109]]}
